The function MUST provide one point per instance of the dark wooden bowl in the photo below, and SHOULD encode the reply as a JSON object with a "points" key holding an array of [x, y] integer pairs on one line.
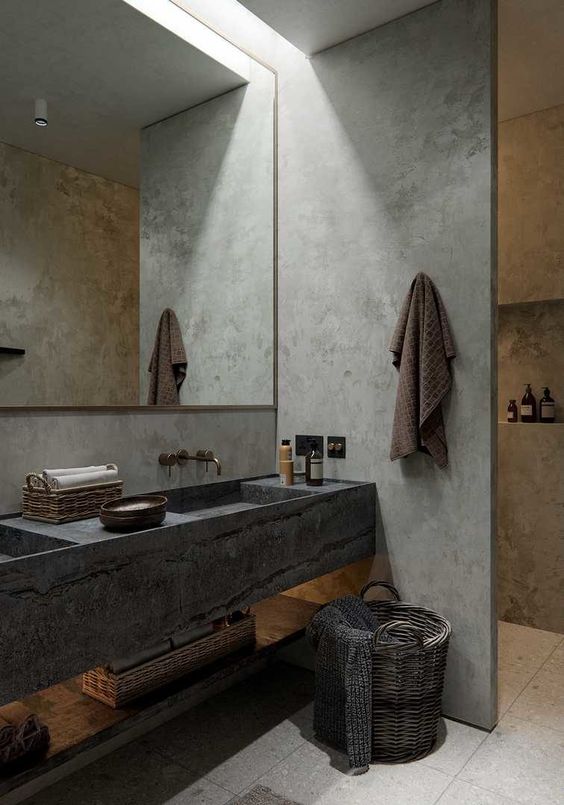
{"points": [[134, 513]]}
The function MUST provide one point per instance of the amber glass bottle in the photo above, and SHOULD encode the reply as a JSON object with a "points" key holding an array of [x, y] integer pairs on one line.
{"points": [[528, 405], [546, 407], [512, 412]]}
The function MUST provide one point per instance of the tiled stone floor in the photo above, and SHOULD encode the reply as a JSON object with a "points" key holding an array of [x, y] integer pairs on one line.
{"points": [[261, 731]]}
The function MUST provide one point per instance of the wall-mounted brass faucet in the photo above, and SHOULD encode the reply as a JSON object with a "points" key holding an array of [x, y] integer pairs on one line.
{"points": [[182, 456]]}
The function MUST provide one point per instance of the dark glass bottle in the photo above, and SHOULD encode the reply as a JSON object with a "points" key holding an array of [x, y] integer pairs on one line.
{"points": [[314, 467], [512, 412], [546, 407], [528, 405]]}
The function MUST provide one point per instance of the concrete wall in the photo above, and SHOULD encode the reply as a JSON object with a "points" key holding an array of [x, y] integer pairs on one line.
{"points": [[244, 441], [207, 178], [386, 170], [69, 262]]}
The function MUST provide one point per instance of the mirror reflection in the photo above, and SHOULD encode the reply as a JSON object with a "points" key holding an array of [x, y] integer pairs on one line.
{"points": [[136, 214]]}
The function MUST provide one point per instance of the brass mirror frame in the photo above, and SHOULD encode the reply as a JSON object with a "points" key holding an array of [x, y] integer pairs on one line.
{"points": [[148, 409]]}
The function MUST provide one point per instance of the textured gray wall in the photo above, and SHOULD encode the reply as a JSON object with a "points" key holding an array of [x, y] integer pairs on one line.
{"points": [[244, 441], [385, 171], [69, 267], [391, 175], [207, 243]]}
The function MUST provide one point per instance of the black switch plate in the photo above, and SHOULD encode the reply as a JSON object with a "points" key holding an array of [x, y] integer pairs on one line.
{"points": [[304, 443], [336, 447]]}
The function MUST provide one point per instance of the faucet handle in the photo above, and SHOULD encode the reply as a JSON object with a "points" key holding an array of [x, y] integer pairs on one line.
{"points": [[168, 459], [208, 455], [182, 456]]}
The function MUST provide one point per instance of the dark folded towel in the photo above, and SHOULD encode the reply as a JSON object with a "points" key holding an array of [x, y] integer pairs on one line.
{"points": [[342, 632], [22, 742]]}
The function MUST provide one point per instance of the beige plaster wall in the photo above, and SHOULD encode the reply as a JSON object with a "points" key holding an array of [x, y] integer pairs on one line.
{"points": [[531, 350], [531, 206], [531, 525], [69, 291]]}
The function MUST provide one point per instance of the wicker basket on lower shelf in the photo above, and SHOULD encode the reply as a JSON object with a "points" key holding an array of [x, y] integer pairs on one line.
{"points": [[116, 690], [40, 501]]}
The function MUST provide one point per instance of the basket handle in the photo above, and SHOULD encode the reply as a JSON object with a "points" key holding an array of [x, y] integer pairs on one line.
{"points": [[383, 630], [385, 584], [35, 481]]}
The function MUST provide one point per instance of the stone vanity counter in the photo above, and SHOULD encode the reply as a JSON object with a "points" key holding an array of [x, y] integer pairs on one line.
{"points": [[75, 596]]}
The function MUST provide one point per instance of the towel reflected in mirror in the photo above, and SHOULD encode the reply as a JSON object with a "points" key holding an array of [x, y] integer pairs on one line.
{"points": [[168, 362]]}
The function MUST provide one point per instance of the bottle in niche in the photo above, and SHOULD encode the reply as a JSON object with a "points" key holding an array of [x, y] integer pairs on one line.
{"points": [[546, 407], [512, 412], [528, 405], [314, 467]]}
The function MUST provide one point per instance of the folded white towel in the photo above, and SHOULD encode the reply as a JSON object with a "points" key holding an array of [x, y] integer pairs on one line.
{"points": [[49, 474], [84, 479]]}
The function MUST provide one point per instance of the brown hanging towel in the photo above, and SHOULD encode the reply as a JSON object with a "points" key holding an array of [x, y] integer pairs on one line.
{"points": [[423, 348], [168, 362]]}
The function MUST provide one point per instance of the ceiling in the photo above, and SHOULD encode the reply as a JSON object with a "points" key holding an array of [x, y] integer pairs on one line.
{"points": [[314, 25], [531, 56], [106, 70]]}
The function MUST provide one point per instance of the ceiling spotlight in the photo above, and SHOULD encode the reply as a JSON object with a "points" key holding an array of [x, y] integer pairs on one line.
{"points": [[41, 112]]}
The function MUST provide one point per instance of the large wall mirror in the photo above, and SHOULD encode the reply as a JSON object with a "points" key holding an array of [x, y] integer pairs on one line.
{"points": [[138, 227]]}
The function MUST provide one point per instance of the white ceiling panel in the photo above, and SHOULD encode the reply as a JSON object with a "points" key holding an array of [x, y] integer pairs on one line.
{"points": [[314, 25], [106, 71]]}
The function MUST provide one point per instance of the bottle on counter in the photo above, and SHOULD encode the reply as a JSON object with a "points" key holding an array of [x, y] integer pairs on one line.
{"points": [[546, 407], [314, 466], [512, 412], [286, 463], [528, 405]]}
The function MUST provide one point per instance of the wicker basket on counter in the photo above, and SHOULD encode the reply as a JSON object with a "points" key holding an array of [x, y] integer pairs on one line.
{"points": [[117, 690], [41, 501]]}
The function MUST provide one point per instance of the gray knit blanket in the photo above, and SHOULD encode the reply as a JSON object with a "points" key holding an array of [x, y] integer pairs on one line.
{"points": [[342, 634]]}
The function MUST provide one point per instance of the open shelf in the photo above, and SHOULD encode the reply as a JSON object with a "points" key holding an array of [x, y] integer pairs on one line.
{"points": [[551, 300], [530, 424], [80, 725]]}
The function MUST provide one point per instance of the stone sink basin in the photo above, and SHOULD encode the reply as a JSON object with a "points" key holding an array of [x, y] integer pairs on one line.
{"points": [[73, 596]]}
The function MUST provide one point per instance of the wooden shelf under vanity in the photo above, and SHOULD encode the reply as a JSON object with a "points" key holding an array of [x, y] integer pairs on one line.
{"points": [[81, 726]]}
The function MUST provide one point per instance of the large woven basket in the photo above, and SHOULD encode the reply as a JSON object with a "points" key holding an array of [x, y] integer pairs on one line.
{"points": [[408, 670], [116, 690], [40, 501]]}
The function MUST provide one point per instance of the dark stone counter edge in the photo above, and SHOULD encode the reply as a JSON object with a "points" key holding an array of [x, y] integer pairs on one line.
{"points": [[60, 533]]}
